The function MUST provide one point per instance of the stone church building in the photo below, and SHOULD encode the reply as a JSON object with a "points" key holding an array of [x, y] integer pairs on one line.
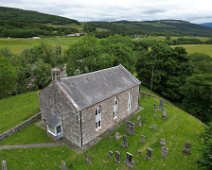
{"points": [[82, 107]]}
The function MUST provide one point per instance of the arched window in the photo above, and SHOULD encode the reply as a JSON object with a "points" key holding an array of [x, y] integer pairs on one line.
{"points": [[129, 103], [115, 108], [98, 117]]}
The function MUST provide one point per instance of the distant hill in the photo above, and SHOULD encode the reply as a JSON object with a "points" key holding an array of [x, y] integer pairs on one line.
{"points": [[20, 15], [159, 27], [207, 24], [20, 23]]}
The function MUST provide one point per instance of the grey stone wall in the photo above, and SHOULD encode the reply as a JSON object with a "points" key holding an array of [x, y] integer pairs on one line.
{"points": [[67, 112], [20, 126], [107, 120]]}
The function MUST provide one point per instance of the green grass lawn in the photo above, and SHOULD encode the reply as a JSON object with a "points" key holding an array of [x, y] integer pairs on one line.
{"points": [[177, 129], [198, 48], [14, 110], [17, 45], [32, 134], [37, 158]]}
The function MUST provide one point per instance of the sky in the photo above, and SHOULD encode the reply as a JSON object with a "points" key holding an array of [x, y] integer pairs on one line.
{"points": [[196, 11]]}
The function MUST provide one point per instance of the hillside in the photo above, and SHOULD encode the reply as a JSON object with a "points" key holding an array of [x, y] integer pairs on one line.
{"points": [[177, 129], [20, 23], [20, 15], [160, 27], [207, 24]]}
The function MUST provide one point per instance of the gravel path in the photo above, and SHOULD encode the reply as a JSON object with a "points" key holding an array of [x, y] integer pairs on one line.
{"points": [[37, 145]]}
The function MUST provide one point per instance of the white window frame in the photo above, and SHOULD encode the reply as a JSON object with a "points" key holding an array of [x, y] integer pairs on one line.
{"points": [[115, 108], [129, 102], [53, 131], [98, 117]]}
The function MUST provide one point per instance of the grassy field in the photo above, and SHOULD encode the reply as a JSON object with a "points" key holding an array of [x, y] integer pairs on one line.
{"points": [[198, 48], [32, 134], [17, 45], [13, 110], [177, 129]]}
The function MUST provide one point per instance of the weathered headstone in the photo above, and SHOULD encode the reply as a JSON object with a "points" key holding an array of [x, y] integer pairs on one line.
{"points": [[149, 153], [129, 160], [4, 165], [139, 121], [162, 142], [164, 114], [63, 165], [117, 135], [117, 156], [164, 151], [110, 154], [143, 138], [155, 107], [88, 159], [130, 127], [124, 141], [161, 105], [187, 148]]}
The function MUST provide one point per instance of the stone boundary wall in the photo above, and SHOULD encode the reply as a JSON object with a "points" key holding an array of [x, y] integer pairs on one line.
{"points": [[20, 126]]}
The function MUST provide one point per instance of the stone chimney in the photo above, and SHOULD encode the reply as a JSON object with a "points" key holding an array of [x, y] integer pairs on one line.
{"points": [[56, 74]]}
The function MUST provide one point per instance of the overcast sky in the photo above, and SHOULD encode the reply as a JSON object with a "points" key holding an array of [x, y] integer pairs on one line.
{"points": [[197, 11]]}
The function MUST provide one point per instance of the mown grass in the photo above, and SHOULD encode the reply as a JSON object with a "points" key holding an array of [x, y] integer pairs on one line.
{"points": [[177, 129], [30, 135], [37, 158], [17, 45], [198, 48], [14, 110]]}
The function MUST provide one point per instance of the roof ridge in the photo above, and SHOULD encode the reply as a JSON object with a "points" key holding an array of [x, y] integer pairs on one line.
{"points": [[84, 74]]}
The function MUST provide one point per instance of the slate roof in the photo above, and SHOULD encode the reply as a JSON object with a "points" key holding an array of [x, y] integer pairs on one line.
{"points": [[88, 89]]}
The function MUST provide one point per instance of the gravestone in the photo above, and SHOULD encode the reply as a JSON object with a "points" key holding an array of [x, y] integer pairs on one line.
{"points": [[149, 153], [124, 141], [155, 107], [129, 160], [117, 156], [4, 165], [117, 135], [161, 105], [130, 127], [164, 115], [164, 151], [88, 159], [143, 138], [139, 122], [110, 154], [63, 165], [162, 142], [187, 148]]}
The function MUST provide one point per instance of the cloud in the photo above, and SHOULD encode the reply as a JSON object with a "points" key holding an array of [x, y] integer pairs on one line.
{"points": [[111, 10]]}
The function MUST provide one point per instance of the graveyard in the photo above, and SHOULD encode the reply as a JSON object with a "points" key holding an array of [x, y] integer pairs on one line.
{"points": [[161, 136]]}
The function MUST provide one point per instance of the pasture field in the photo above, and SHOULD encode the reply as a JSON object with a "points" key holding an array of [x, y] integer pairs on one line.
{"points": [[198, 48], [17, 45], [177, 129]]}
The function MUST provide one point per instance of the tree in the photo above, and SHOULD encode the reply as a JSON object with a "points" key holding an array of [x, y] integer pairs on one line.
{"points": [[206, 156], [41, 74], [8, 78], [164, 69], [197, 97]]}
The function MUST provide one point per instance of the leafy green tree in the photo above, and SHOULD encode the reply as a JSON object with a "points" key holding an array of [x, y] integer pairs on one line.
{"points": [[41, 74], [206, 158], [164, 70], [197, 96], [8, 78]]}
